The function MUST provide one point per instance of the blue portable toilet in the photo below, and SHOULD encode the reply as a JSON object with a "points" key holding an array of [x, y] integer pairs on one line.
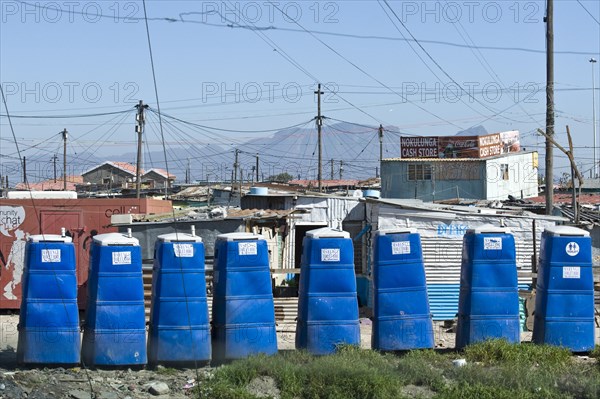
{"points": [[401, 316], [179, 325], [49, 316], [115, 321], [488, 304], [564, 303], [243, 312], [327, 302]]}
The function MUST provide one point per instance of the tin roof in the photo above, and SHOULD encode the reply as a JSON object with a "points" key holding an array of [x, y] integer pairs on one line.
{"points": [[161, 172], [325, 183], [124, 166], [51, 185], [446, 210]]}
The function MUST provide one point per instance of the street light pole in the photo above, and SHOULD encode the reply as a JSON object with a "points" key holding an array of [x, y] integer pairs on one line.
{"points": [[595, 166]]}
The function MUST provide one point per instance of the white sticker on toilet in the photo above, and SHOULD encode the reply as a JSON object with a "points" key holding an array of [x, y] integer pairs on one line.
{"points": [[247, 248], [183, 250], [400, 247], [330, 254], [50, 255], [572, 248], [121, 258], [571, 272], [494, 243]]}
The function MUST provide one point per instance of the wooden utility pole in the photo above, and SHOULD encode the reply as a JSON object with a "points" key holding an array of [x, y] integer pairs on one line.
{"points": [[380, 143], [257, 180], [54, 159], [341, 169], [320, 143], [24, 169], [65, 135], [235, 169], [187, 172], [332, 173], [380, 149], [549, 106], [139, 129]]}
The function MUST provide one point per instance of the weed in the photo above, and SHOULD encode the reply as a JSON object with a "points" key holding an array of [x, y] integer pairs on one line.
{"points": [[500, 351]]}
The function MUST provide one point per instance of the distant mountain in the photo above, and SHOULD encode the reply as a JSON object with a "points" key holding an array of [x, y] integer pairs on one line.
{"points": [[353, 148], [473, 131]]}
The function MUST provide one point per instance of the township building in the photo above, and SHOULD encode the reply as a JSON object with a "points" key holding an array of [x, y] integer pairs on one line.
{"points": [[486, 167]]}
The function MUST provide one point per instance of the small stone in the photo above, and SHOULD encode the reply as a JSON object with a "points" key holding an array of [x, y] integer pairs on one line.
{"points": [[107, 395], [131, 387], [79, 394], [2, 387], [158, 388]]}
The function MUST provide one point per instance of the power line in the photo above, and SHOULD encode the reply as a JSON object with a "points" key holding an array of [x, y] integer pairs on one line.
{"points": [[230, 130], [434, 61], [589, 13], [359, 68], [233, 25], [66, 116]]}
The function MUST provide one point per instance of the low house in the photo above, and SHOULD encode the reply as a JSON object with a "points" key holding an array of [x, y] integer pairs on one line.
{"points": [[433, 179], [111, 174], [156, 178]]}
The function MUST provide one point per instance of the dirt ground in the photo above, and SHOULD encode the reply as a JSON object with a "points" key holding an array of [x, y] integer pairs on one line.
{"points": [[78, 383]]}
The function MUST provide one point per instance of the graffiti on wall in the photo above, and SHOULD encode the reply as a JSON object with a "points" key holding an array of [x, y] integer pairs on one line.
{"points": [[11, 218]]}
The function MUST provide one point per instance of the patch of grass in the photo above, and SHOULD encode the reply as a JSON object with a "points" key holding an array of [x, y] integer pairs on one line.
{"points": [[167, 370], [349, 373], [595, 353], [423, 367], [495, 369], [480, 390], [500, 351]]}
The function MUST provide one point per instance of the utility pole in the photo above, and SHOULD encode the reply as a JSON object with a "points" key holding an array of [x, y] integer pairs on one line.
{"points": [[319, 124], [332, 169], [380, 144], [139, 129], [24, 169], [257, 180], [341, 169], [65, 135], [235, 168], [594, 168], [549, 106], [187, 172], [54, 159]]}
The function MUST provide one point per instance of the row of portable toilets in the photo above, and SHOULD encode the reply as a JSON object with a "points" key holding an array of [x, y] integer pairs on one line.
{"points": [[243, 319]]}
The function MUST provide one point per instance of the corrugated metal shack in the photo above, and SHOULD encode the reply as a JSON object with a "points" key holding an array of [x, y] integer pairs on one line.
{"points": [[442, 228]]}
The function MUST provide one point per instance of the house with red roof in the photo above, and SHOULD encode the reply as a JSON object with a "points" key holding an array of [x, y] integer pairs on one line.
{"points": [[156, 178], [111, 174]]}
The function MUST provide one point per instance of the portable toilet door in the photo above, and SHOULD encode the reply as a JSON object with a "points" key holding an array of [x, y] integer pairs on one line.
{"points": [[243, 311], [115, 319], [179, 325], [401, 315], [488, 305], [327, 302], [49, 331], [564, 303]]}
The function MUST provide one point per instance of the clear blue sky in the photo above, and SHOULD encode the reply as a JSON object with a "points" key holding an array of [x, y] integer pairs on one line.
{"points": [[65, 60]]}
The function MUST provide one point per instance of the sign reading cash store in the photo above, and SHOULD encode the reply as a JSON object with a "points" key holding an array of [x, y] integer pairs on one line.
{"points": [[483, 146]]}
